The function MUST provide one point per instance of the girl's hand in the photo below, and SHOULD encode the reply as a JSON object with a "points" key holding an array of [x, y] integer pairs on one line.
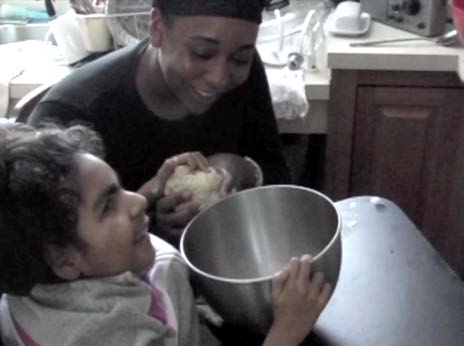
{"points": [[297, 302]]}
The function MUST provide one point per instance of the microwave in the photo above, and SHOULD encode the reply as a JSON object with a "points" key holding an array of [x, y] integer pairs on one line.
{"points": [[422, 17]]}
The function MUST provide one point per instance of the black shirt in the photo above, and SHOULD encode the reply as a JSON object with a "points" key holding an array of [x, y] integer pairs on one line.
{"points": [[103, 94]]}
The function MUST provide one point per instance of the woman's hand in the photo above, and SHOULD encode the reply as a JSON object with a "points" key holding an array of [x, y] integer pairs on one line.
{"points": [[175, 211], [238, 172], [297, 302]]}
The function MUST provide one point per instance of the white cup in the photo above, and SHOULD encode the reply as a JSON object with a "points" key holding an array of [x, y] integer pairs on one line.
{"points": [[67, 35], [347, 16]]}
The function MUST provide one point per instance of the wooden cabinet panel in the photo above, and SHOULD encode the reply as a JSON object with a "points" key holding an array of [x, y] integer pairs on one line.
{"points": [[392, 142], [404, 143]]}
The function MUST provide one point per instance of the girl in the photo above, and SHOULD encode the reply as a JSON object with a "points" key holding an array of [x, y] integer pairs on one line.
{"points": [[78, 265]]}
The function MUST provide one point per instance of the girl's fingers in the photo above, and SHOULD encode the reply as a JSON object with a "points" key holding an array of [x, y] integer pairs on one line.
{"points": [[305, 270], [294, 268], [278, 283], [317, 283], [325, 294]]}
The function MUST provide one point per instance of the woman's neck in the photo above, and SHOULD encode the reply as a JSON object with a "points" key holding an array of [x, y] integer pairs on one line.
{"points": [[152, 88]]}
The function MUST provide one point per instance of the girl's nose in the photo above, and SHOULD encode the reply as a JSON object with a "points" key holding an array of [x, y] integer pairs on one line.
{"points": [[138, 204]]}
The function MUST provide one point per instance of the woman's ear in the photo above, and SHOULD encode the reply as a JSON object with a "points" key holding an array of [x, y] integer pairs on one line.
{"points": [[63, 261], [156, 27]]}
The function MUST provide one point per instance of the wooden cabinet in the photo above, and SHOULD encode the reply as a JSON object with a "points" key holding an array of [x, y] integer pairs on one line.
{"points": [[400, 135]]}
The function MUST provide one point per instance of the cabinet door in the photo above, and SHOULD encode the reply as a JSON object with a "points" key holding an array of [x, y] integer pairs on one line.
{"points": [[408, 146]]}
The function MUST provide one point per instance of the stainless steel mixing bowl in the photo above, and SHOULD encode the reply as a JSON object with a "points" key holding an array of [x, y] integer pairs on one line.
{"points": [[234, 247]]}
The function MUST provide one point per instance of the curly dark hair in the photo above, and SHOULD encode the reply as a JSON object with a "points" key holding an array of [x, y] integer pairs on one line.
{"points": [[245, 9], [39, 199]]}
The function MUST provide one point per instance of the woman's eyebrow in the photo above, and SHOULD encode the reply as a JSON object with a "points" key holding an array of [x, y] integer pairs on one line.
{"points": [[213, 41], [104, 194]]}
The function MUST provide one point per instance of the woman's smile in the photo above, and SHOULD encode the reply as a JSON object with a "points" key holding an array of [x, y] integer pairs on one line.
{"points": [[205, 96]]}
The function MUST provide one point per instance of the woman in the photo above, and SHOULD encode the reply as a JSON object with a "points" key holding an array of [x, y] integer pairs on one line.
{"points": [[196, 84]]}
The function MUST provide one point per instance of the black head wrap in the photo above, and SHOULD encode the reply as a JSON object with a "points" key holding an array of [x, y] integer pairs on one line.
{"points": [[242, 9]]}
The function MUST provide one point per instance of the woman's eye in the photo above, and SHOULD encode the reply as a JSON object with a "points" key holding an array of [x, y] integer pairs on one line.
{"points": [[242, 61], [201, 54]]}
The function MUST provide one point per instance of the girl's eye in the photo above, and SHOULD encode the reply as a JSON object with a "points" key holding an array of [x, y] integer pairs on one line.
{"points": [[108, 206]]}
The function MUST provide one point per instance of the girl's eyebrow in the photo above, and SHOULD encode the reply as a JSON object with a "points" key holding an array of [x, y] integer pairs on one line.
{"points": [[104, 194]]}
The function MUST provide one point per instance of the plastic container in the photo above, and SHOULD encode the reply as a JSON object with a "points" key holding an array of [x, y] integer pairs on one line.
{"points": [[95, 34], [18, 14], [67, 34], [458, 17]]}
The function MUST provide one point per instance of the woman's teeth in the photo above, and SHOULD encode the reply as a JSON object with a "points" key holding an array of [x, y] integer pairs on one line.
{"points": [[206, 93]]}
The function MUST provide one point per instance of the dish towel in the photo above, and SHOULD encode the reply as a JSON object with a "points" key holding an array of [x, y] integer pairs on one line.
{"points": [[11, 68], [287, 92]]}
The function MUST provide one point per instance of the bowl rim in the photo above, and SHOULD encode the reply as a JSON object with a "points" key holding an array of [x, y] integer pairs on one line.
{"points": [[261, 279]]}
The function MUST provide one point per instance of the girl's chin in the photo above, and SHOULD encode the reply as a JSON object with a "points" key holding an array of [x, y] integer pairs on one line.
{"points": [[147, 260]]}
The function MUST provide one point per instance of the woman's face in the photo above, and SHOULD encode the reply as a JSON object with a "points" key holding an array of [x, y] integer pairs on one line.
{"points": [[203, 57]]}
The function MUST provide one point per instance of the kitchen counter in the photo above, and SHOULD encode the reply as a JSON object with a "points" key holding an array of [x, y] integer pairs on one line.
{"points": [[405, 56], [400, 56], [30, 64]]}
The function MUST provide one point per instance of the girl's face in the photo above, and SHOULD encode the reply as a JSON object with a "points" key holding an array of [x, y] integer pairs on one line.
{"points": [[112, 222], [203, 57]]}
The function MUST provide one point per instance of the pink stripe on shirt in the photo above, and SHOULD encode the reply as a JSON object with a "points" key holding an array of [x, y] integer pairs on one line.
{"points": [[26, 339]]}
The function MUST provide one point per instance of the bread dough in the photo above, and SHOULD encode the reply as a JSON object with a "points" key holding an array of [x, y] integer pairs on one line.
{"points": [[204, 186]]}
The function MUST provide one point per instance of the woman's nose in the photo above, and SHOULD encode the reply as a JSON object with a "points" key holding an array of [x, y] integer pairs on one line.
{"points": [[219, 75], [137, 203]]}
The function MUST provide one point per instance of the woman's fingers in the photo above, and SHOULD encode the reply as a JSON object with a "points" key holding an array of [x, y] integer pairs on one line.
{"points": [[168, 204], [166, 170], [174, 212], [227, 183], [195, 160], [201, 161]]}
